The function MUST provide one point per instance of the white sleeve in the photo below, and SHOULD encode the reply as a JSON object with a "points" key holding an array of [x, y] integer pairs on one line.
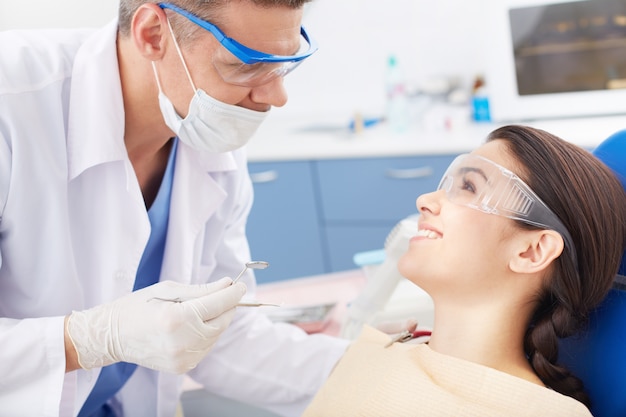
{"points": [[32, 366], [32, 362], [278, 366], [275, 366]]}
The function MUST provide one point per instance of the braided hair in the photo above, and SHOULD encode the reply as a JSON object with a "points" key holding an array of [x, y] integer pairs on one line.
{"points": [[591, 203]]}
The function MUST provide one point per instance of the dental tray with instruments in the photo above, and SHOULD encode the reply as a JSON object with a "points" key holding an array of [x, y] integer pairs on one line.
{"points": [[310, 318]]}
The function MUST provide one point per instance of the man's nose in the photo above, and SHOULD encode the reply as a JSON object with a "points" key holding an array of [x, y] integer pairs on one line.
{"points": [[272, 93]]}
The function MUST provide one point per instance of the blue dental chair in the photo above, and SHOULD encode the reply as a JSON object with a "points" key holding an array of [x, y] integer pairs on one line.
{"points": [[598, 354]]}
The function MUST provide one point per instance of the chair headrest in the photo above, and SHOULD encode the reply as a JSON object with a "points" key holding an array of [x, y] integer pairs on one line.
{"points": [[612, 151], [619, 283]]}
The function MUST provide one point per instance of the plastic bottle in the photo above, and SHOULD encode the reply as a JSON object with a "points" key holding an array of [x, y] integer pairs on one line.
{"points": [[480, 101], [397, 112]]}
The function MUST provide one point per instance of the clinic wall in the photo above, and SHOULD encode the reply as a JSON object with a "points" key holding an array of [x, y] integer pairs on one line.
{"points": [[26, 14], [430, 39]]}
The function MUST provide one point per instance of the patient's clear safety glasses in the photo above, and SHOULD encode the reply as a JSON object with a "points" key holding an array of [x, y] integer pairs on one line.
{"points": [[239, 65], [481, 184]]}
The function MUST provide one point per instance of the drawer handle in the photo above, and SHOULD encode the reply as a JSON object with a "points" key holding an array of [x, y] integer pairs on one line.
{"points": [[410, 173], [263, 177]]}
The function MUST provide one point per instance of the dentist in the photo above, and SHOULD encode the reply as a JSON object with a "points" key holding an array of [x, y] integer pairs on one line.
{"points": [[123, 181]]}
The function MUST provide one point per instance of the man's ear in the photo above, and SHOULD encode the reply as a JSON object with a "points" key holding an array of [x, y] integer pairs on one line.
{"points": [[150, 31], [538, 252]]}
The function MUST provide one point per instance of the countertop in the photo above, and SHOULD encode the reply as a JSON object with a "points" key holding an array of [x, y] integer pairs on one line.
{"points": [[294, 138]]}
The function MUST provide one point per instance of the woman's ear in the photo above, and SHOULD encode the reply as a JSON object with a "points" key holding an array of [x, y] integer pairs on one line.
{"points": [[538, 253], [150, 31]]}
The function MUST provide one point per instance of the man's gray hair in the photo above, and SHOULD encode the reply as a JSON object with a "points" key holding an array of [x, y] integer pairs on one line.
{"points": [[205, 9]]}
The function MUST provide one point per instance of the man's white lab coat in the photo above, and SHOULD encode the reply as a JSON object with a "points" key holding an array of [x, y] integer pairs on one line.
{"points": [[73, 227]]}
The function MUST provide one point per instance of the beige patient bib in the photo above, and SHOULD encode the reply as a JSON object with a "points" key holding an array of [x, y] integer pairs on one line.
{"points": [[413, 380]]}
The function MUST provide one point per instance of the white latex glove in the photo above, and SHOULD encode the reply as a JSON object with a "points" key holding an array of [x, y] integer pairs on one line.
{"points": [[162, 335]]}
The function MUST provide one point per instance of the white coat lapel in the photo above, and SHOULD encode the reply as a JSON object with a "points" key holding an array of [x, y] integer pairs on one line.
{"points": [[97, 155], [196, 196]]}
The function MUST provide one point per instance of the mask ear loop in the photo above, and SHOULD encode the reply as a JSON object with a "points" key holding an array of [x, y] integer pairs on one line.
{"points": [[180, 54], [156, 75]]}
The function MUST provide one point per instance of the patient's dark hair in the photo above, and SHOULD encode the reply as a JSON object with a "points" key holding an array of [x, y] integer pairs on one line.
{"points": [[591, 203]]}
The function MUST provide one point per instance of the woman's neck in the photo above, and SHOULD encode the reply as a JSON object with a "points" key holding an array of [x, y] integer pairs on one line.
{"points": [[489, 334]]}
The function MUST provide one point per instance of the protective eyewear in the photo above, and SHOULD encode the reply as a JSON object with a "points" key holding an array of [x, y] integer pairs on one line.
{"points": [[237, 64], [481, 184]]}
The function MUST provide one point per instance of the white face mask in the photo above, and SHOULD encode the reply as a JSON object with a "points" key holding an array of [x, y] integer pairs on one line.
{"points": [[210, 124]]}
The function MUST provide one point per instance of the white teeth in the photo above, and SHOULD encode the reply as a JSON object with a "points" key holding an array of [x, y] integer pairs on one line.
{"points": [[427, 234]]}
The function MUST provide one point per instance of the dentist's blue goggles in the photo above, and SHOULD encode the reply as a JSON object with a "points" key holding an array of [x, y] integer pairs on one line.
{"points": [[481, 184], [237, 64]]}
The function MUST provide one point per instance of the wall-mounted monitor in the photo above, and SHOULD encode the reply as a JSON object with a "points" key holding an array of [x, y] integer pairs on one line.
{"points": [[557, 59]]}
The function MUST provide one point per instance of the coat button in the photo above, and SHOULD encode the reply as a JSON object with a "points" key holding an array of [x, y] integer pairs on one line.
{"points": [[122, 277]]}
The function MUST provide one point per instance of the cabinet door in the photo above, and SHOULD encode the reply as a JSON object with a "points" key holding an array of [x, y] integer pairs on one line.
{"points": [[363, 199], [377, 189], [283, 227], [344, 241]]}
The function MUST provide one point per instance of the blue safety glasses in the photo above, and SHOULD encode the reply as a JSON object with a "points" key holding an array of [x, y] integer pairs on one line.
{"points": [[240, 65]]}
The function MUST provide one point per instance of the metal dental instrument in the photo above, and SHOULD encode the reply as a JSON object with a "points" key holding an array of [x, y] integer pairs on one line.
{"points": [[242, 304], [252, 265], [407, 335], [255, 304]]}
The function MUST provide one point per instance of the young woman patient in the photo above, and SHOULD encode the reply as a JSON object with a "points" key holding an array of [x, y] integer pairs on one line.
{"points": [[521, 239]]}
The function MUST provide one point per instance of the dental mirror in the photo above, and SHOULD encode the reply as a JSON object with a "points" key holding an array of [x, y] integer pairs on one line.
{"points": [[252, 265]]}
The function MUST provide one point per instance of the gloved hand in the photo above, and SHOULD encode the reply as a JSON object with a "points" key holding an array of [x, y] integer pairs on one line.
{"points": [[163, 335]]}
